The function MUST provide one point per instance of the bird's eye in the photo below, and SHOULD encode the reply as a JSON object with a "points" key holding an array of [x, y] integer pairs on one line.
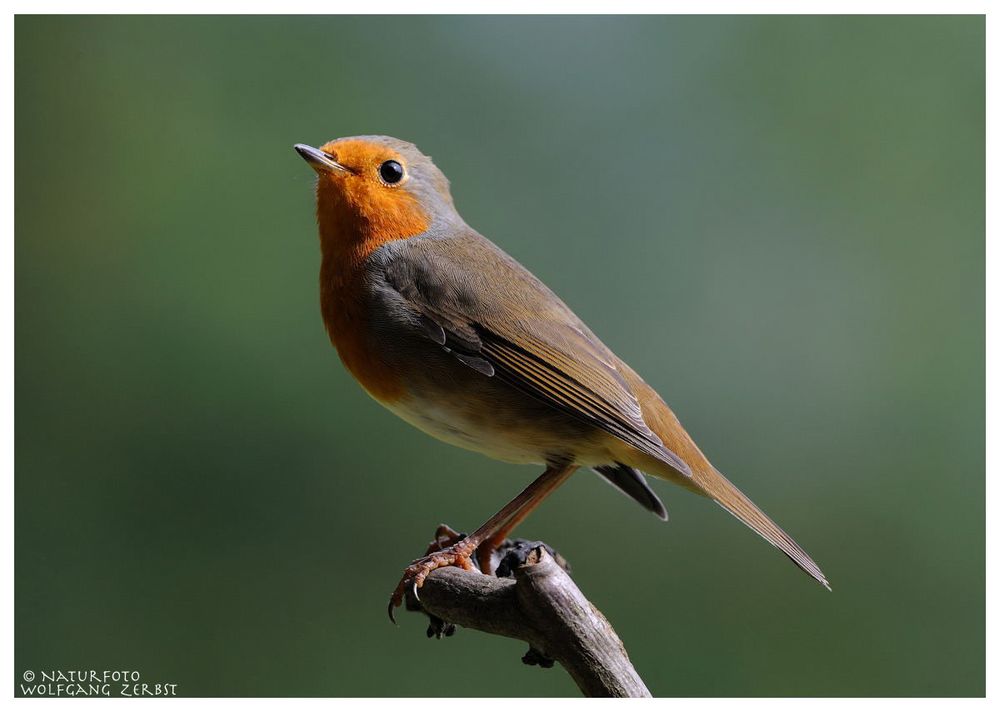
{"points": [[391, 172]]}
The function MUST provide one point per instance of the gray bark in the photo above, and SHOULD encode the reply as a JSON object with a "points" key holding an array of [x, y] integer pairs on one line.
{"points": [[542, 606]]}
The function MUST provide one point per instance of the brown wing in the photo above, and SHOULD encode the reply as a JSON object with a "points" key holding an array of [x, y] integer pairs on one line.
{"points": [[519, 332]]}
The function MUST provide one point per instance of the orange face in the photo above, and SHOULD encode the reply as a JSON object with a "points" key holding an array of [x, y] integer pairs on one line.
{"points": [[362, 196], [363, 200]]}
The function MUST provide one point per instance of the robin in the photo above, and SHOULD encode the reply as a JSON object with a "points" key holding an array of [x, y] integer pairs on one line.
{"points": [[453, 335]]}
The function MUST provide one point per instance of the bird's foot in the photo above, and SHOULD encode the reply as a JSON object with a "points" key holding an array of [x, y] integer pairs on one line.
{"points": [[444, 537], [457, 554]]}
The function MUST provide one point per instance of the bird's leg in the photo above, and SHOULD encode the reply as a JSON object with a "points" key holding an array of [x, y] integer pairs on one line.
{"points": [[484, 552], [460, 553]]}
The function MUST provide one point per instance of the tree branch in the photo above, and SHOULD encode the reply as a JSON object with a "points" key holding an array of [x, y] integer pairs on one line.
{"points": [[540, 605]]}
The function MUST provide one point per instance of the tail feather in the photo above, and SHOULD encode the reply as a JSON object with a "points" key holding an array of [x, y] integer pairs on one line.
{"points": [[632, 482], [739, 505], [704, 478]]}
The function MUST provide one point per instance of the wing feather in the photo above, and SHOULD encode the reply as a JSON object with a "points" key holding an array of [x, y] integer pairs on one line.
{"points": [[543, 349]]}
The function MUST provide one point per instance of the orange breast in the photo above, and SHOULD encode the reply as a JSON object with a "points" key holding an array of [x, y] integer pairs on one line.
{"points": [[348, 324], [357, 214], [352, 227]]}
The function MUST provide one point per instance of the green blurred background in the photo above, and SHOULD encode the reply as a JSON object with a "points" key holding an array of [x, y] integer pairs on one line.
{"points": [[779, 222]]}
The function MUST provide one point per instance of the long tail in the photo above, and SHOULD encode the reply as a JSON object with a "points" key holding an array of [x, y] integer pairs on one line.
{"points": [[739, 505], [705, 479]]}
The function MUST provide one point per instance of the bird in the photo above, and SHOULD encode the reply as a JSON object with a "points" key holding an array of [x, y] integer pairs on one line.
{"points": [[453, 335]]}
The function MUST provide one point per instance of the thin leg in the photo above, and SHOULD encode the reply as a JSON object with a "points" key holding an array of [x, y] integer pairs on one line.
{"points": [[485, 536], [494, 535]]}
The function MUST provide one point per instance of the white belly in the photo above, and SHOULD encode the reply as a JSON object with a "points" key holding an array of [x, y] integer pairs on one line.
{"points": [[449, 425], [514, 440]]}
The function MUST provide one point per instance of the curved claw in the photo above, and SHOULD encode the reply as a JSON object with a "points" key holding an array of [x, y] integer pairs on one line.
{"points": [[414, 575]]}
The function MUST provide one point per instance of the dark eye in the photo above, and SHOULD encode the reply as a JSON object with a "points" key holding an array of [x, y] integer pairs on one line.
{"points": [[391, 172]]}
